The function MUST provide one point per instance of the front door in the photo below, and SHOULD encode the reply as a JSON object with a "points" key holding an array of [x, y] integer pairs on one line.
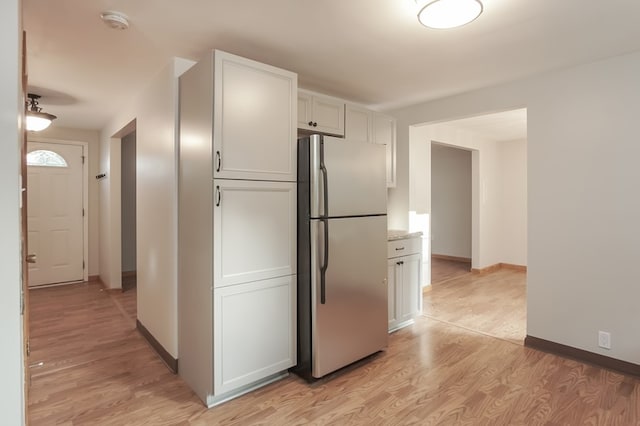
{"points": [[55, 213]]}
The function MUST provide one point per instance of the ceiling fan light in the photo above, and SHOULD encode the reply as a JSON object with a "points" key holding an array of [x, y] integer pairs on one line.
{"points": [[442, 14], [36, 119]]}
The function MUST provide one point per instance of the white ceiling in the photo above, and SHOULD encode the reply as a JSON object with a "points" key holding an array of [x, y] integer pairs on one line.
{"points": [[372, 52]]}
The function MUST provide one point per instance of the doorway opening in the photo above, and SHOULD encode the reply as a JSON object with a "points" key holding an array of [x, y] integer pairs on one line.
{"points": [[128, 209], [493, 151], [451, 212]]}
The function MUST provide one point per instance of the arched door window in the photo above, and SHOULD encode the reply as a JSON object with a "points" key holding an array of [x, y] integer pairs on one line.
{"points": [[45, 158]]}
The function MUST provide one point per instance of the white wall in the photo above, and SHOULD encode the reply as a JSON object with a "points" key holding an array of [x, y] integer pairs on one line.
{"points": [[92, 137], [583, 226], [450, 201], [128, 202], [512, 157], [11, 373], [155, 111]]}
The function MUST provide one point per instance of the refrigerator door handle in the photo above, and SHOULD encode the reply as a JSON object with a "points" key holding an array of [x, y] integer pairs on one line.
{"points": [[325, 191], [325, 261]]}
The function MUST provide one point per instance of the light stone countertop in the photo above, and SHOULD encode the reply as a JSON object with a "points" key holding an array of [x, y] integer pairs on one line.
{"points": [[396, 234]]}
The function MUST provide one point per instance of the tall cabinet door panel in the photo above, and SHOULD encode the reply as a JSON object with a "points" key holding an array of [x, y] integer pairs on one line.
{"points": [[254, 329], [254, 228], [255, 111]]}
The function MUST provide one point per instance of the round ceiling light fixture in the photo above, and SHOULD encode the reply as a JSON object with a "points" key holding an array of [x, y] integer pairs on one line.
{"points": [[443, 14], [115, 20], [37, 119]]}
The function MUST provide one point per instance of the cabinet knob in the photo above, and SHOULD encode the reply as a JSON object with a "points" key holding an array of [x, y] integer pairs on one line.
{"points": [[311, 123], [315, 124]]}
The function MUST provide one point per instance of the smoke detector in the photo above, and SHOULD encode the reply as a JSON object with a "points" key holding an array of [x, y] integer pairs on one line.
{"points": [[115, 20]]}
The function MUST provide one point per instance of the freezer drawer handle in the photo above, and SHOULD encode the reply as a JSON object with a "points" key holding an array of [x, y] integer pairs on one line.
{"points": [[218, 196], [325, 262], [218, 161]]}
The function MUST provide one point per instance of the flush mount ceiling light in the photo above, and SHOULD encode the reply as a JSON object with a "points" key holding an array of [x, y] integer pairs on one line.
{"points": [[36, 119], [442, 14], [115, 20]]}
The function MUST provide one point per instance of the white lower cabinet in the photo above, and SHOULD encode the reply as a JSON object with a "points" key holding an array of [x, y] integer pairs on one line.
{"points": [[404, 277], [254, 332]]}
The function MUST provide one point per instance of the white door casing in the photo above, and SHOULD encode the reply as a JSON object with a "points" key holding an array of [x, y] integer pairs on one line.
{"points": [[56, 215]]}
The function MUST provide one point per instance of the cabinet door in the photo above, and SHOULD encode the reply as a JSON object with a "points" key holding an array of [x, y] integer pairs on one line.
{"points": [[255, 109], [321, 114], [305, 103], [384, 133], [392, 285], [254, 332], [328, 114], [358, 124], [410, 305], [254, 231]]}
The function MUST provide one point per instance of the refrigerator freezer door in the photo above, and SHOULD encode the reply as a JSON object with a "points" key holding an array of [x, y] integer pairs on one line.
{"points": [[355, 173], [352, 323]]}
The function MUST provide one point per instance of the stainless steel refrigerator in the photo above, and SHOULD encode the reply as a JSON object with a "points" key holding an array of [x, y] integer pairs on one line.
{"points": [[342, 253]]}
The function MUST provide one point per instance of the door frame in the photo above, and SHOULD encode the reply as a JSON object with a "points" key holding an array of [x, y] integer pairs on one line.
{"points": [[85, 192]]}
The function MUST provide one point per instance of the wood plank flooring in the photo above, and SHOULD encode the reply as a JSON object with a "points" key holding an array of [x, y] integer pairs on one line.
{"points": [[444, 270], [99, 371], [494, 304]]}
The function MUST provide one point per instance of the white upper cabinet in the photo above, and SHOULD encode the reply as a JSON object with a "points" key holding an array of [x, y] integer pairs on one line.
{"points": [[319, 113], [358, 123], [384, 133], [254, 136]]}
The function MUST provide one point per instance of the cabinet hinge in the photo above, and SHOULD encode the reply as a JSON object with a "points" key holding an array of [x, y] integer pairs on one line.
{"points": [[83, 159], [83, 264], [82, 212], [28, 347]]}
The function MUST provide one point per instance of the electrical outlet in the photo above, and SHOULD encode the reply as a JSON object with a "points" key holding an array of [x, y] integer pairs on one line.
{"points": [[604, 339]]}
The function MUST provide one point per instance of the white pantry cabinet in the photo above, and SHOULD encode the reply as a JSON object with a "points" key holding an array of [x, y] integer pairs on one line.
{"points": [[320, 113], [236, 226], [254, 109], [404, 269], [254, 231], [254, 329]]}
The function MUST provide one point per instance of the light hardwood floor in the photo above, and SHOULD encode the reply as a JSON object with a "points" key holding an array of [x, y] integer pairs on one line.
{"points": [[444, 270], [98, 370], [494, 304]]}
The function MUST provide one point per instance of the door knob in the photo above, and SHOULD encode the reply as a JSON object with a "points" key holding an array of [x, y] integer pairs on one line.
{"points": [[31, 258]]}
